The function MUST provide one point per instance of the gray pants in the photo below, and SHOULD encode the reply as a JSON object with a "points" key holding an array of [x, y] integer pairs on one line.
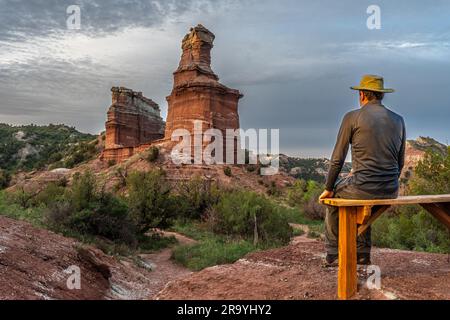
{"points": [[346, 188]]}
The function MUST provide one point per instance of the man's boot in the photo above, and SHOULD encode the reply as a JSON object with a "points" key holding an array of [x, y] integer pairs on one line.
{"points": [[331, 258], [364, 258]]}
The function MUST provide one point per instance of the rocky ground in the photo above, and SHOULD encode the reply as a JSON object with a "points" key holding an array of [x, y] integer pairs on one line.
{"points": [[33, 264], [297, 272]]}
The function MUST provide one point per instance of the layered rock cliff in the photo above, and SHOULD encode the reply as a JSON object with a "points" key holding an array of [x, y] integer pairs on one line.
{"points": [[197, 94], [133, 120]]}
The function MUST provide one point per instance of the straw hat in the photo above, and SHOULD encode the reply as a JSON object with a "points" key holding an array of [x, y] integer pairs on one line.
{"points": [[372, 83]]}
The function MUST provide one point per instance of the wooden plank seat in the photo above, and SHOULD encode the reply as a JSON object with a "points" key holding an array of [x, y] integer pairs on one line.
{"points": [[355, 216]]}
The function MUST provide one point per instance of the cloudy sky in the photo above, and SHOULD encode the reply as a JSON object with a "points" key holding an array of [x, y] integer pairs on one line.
{"points": [[293, 60]]}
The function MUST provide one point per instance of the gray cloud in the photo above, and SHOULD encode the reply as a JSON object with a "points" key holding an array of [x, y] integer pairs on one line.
{"points": [[293, 60], [22, 19]]}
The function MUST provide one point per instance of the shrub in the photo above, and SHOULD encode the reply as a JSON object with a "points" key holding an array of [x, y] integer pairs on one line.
{"points": [[79, 153], [311, 206], [305, 195], [82, 192], [87, 211], [5, 178], [153, 154], [111, 162], [50, 194], [227, 171], [432, 174], [150, 202], [22, 197], [273, 190], [195, 196], [410, 227], [296, 192], [251, 216], [55, 157]]}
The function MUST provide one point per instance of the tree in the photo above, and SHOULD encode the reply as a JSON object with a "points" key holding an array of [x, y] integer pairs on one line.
{"points": [[150, 202]]}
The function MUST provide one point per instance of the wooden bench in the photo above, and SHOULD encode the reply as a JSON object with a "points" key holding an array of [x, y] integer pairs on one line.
{"points": [[355, 216]]}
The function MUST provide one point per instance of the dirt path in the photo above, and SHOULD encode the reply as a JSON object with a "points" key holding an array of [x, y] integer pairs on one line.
{"points": [[164, 268]]}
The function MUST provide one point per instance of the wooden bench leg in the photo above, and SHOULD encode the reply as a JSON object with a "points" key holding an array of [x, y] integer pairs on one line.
{"points": [[439, 211], [347, 274]]}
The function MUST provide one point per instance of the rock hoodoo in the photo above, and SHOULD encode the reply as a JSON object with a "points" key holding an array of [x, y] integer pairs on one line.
{"points": [[133, 120], [197, 93]]}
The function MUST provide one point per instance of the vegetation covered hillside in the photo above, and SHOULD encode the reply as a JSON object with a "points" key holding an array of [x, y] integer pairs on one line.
{"points": [[33, 147], [308, 168]]}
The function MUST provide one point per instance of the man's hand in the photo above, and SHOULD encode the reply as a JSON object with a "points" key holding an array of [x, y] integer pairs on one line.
{"points": [[326, 194]]}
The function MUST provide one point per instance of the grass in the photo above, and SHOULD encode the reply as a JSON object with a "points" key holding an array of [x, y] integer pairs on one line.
{"points": [[298, 232], [295, 215], [211, 252], [15, 211], [211, 249]]}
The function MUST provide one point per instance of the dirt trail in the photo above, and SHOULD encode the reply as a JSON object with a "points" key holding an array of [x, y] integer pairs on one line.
{"points": [[164, 268], [297, 272]]}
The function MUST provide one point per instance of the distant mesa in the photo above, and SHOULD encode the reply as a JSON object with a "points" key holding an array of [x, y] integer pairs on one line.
{"points": [[416, 150], [134, 122]]}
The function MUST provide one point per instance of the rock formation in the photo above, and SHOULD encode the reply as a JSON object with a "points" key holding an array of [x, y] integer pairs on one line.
{"points": [[133, 120], [197, 93]]}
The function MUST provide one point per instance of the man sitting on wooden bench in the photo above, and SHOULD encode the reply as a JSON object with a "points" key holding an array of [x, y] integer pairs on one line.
{"points": [[377, 136]]}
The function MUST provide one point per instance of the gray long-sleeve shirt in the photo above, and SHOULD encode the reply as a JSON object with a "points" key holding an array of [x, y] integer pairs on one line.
{"points": [[378, 137]]}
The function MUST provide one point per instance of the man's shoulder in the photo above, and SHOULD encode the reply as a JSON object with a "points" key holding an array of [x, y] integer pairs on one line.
{"points": [[352, 114], [394, 114]]}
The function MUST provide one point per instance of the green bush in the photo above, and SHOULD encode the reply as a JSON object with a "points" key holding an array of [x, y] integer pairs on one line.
{"points": [[150, 202], [53, 192], [296, 192], [79, 153], [250, 216], [410, 227], [273, 190], [90, 214], [305, 195], [21, 197], [85, 210], [195, 196], [4, 179], [111, 162], [432, 175], [153, 154], [227, 171], [83, 191]]}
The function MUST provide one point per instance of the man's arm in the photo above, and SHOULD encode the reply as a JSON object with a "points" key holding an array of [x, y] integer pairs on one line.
{"points": [[401, 156], [340, 152]]}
